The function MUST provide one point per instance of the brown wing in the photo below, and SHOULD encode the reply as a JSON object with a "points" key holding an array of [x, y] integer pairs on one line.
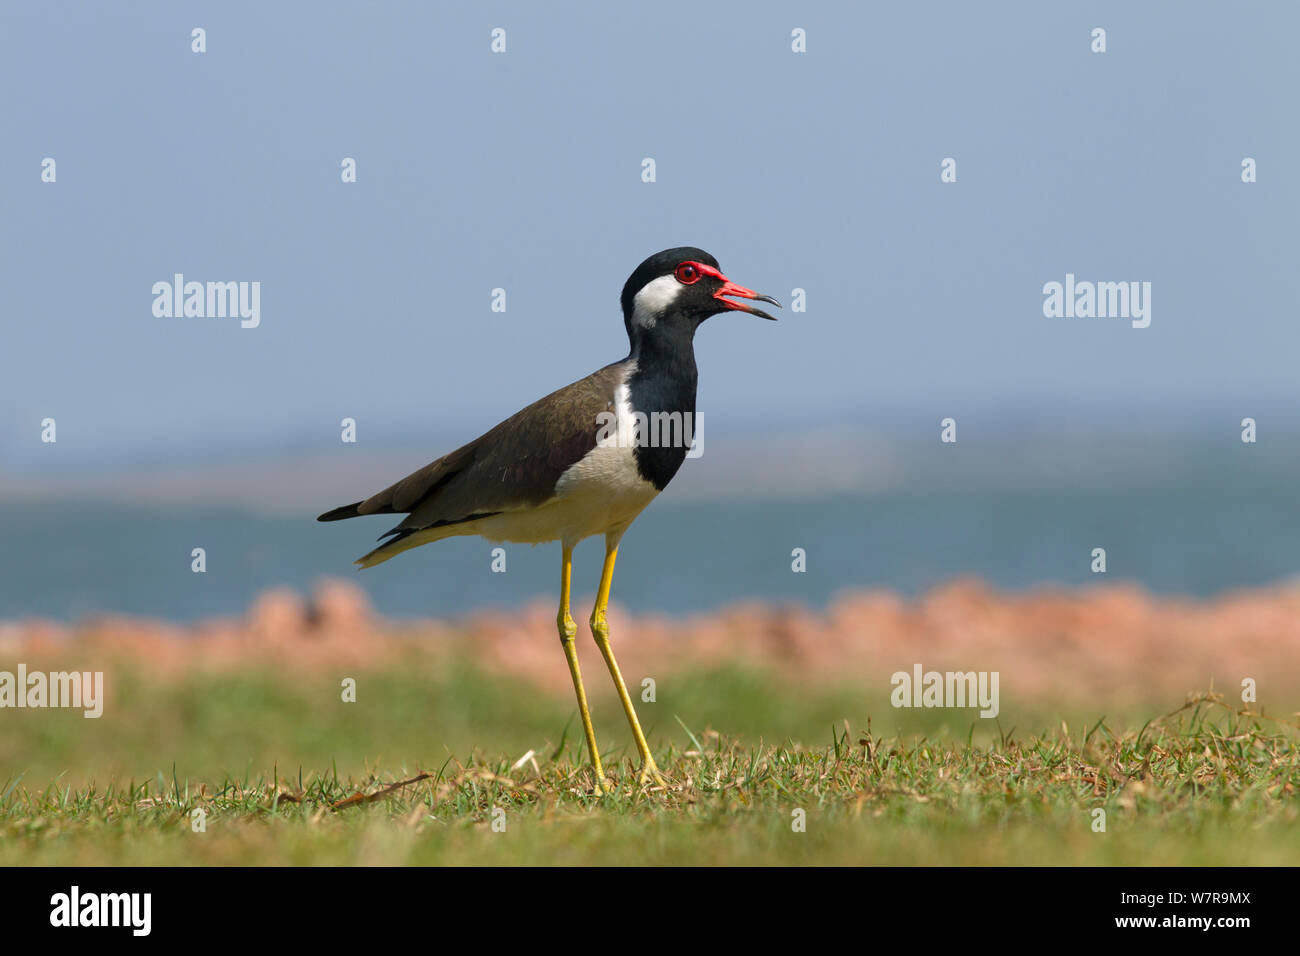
{"points": [[515, 465]]}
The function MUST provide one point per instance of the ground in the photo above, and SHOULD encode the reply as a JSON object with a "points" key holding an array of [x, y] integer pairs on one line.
{"points": [[761, 770]]}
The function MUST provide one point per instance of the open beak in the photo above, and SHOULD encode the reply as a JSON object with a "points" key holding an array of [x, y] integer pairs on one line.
{"points": [[730, 288]]}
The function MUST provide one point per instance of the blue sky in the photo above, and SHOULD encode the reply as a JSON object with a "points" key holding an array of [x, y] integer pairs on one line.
{"points": [[522, 170]]}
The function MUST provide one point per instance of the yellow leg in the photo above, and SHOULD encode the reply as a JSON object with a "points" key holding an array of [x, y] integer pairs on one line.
{"points": [[568, 631], [600, 629]]}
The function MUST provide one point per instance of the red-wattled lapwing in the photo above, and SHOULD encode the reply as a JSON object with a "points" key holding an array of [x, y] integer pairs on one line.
{"points": [[574, 463]]}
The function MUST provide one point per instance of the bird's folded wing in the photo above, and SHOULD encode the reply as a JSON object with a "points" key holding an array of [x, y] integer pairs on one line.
{"points": [[515, 465]]}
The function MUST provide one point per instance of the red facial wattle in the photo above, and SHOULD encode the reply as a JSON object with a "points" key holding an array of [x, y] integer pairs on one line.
{"points": [[688, 273]]}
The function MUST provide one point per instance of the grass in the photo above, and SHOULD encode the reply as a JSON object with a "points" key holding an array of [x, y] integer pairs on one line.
{"points": [[268, 763]]}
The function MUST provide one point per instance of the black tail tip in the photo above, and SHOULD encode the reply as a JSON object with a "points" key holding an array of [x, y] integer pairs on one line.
{"points": [[338, 514]]}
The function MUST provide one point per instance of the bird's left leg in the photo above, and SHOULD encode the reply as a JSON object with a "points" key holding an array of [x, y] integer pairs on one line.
{"points": [[600, 630], [568, 631]]}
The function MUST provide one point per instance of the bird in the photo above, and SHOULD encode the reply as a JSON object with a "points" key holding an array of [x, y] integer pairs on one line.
{"points": [[585, 460]]}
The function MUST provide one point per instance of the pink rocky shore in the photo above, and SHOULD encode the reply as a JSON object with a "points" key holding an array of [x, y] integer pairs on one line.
{"points": [[1114, 643]]}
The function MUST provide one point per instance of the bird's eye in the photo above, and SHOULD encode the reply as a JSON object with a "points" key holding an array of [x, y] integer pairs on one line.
{"points": [[687, 274]]}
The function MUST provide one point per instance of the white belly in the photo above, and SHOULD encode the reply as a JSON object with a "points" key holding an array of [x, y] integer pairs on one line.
{"points": [[599, 494], [594, 496]]}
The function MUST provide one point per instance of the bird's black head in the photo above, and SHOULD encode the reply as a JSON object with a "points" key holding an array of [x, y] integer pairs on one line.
{"points": [[677, 289]]}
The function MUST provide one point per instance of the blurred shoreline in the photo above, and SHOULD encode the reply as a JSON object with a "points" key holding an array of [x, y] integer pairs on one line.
{"points": [[1115, 643], [1175, 524]]}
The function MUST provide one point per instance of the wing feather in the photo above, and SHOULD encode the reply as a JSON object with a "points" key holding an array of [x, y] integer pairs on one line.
{"points": [[513, 466]]}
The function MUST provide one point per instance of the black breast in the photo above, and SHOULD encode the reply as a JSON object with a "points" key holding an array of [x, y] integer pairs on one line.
{"points": [[663, 399]]}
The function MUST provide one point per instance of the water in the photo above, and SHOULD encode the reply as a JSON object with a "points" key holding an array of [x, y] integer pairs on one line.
{"points": [[1197, 537]]}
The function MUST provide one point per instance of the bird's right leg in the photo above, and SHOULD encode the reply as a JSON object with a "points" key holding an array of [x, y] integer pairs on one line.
{"points": [[568, 632], [600, 630]]}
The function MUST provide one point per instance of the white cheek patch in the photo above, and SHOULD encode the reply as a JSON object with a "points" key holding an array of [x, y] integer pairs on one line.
{"points": [[654, 299]]}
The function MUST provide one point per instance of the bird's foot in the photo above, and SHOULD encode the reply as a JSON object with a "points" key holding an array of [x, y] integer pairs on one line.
{"points": [[650, 773], [601, 785]]}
